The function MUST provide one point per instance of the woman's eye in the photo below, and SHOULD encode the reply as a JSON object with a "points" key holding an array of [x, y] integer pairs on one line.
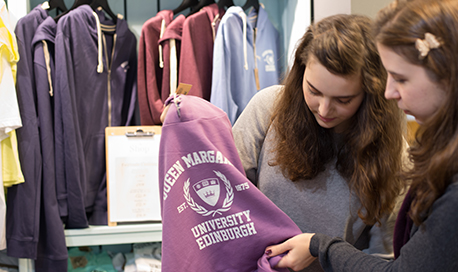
{"points": [[399, 80], [344, 102], [312, 92]]}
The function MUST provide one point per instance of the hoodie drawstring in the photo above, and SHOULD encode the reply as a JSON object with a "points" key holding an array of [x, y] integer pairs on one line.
{"points": [[243, 15], [99, 44], [161, 58], [48, 66]]}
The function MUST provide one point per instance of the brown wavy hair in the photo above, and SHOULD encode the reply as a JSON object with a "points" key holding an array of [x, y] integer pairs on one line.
{"points": [[370, 157], [435, 153]]}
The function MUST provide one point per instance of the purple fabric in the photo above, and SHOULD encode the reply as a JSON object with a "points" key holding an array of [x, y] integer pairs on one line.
{"points": [[403, 226], [214, 218], [265, 263], [52, 250], [86, 102], [23, 201]]}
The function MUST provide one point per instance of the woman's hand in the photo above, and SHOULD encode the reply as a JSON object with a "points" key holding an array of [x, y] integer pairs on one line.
{"points": [[164, 113], [298, 256]]}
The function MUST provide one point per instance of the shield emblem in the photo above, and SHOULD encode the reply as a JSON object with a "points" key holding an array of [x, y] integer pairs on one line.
{"points": [[208, 190]]}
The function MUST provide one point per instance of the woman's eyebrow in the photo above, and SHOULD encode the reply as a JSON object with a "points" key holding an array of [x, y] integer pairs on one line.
{"points": [[340, 97], [313, 87]]}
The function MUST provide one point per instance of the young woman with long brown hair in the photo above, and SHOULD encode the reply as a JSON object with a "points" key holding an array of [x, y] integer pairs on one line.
{"points": [[326, 146], [418, 44]]}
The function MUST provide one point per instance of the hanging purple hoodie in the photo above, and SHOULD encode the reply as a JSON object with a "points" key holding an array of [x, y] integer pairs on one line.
{"points": [[52, 250], [95, 87], [213, 218], [23, 201]]}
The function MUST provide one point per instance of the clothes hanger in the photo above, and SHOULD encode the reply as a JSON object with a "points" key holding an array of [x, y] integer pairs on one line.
{"points": [[202, 3], [251, 3], [58, 5], [184, 5], [104, 5], [225, 3], [76, 4]]}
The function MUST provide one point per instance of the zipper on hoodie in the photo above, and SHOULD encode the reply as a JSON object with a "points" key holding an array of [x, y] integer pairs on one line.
{"points": [[109, 64], [256, 73]]}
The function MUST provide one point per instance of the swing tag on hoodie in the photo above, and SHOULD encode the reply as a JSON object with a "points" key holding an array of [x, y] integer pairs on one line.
{"points": [[183, 88]]}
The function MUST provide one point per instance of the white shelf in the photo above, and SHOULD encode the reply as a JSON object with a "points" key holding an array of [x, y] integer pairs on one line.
{"points": [[121, 234], [105, 235]]}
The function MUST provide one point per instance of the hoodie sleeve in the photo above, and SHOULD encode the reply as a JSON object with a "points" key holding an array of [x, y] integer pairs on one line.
{"points": [[221, 95], [69, 157], [130, 99], [23, 201], [431, 248], [197, 55], [149, 77]]}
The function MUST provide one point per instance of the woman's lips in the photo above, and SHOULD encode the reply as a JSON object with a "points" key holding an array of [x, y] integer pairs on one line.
{"points": [[326, 120]]}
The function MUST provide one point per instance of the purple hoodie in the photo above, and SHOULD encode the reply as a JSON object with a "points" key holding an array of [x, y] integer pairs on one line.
{"points": [[23, 201], [95, 87], [52, 253], [214, 218]]}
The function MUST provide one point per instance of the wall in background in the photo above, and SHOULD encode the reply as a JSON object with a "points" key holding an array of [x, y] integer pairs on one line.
{"points": [[369, 8]]}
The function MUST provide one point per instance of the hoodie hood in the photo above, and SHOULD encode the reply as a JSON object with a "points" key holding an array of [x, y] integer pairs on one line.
{"points": [[214, 218], [46, 31], [247, 31]]}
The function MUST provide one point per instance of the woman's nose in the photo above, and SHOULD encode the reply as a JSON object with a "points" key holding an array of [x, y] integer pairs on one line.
{"points": [[391, 91]]}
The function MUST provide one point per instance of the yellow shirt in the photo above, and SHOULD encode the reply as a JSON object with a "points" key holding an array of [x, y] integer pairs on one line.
{"points": [[9, 118]]}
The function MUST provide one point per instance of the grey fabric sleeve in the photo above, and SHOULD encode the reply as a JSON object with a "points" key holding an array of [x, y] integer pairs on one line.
{"points": [[433, 247], [251, 127]]}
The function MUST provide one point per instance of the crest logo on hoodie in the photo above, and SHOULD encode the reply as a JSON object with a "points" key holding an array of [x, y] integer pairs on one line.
{"points": [[209, 191], [269, 60]]}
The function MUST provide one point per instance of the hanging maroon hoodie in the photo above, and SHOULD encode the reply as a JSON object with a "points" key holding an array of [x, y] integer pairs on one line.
{"points": [[150, 72], [213, 218], [196, 61]]}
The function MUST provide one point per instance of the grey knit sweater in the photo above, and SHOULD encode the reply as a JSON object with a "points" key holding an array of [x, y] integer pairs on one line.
{"points": [[321, 205]]}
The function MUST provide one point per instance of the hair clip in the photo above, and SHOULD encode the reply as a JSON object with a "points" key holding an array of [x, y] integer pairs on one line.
{"points": [[424, 46]]}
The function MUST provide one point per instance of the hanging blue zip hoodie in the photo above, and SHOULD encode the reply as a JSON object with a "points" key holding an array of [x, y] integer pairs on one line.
{"points": [[95, 87], [23, 201], [237, 42], [52, 254], [213, 218]]}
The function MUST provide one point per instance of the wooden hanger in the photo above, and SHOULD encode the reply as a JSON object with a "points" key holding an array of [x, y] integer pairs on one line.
{"points": [[251, 3], [104, 5], [76, 4], [225, 3], [202, 3], [58, 5], [184, 5]]}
